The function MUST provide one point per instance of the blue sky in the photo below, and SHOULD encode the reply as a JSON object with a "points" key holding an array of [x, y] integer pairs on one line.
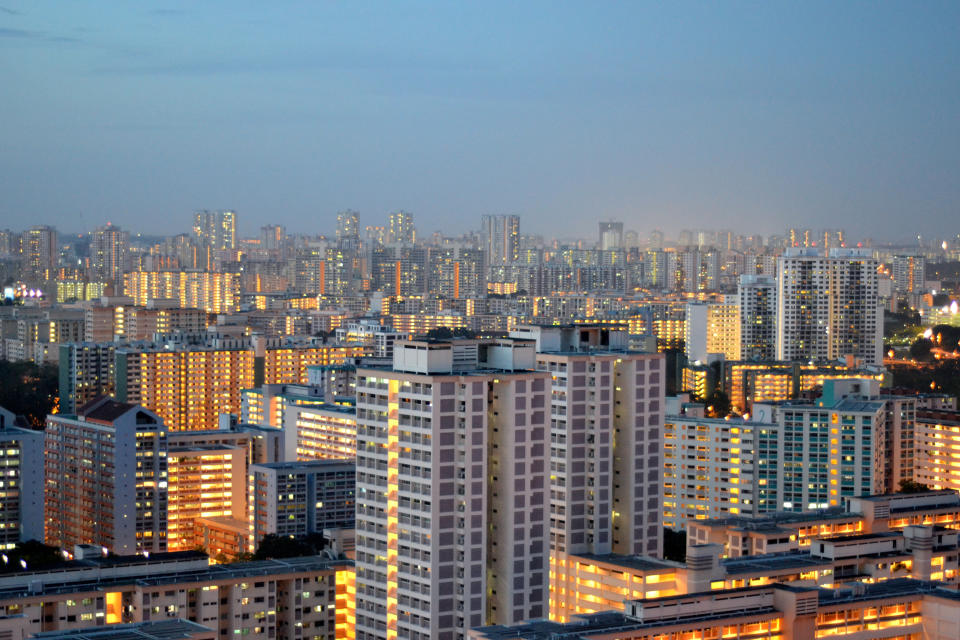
{"points": [[750, 116]]}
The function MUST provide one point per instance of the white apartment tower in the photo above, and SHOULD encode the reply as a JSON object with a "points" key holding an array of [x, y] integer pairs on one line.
{"points": [[828, 306], [501, 237], [909, 273], [452, 500], [758, 317], [606, 416]]}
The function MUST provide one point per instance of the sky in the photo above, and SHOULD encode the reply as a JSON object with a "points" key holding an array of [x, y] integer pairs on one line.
{"points": [[680, 115]]}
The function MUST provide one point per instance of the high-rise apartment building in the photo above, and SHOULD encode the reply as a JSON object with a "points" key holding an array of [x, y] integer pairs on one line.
{"points": [[272, 237], [40, 251], [204, 481], [190, 387], [401, 229], [828, 306], [715, 468], [789, 456], [348, 225], [758, 317], [605, 447], [937, 439], [108, 253], [216, 229], [712, 328], [212, 291], [611, 235], [501, 238], [457, 272], [86, 372], [300, 498], [452, 497], [106, 478], [909, 273], [21, 495]]}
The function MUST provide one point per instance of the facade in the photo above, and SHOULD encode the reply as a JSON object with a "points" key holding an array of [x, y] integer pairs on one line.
{"points": [[501, 238], [909, 274], [204, 481], [296, 598], [212, 291], [216, 229], [401, 229], [452, 498], [21, 490], [791, 456], [897, 609], [605, 446], [715, 467], [611, 235], [106, 478], [313, 427], [86, 372], [937, 443], [828, 306], [758, 317], [300, 498], [784, 532], [40, 250], [108, 253], [191, 386]]}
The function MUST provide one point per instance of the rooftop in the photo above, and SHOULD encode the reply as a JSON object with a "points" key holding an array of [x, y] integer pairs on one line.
{"points": [[165, 576], [161, 630], [640, 563]]}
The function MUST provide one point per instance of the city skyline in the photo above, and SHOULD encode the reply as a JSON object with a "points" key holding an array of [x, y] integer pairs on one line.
{"points": [[661, 117]]}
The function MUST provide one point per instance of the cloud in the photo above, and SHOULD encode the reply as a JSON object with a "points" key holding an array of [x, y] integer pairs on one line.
{"points": [[40, 36], [16, 33]]}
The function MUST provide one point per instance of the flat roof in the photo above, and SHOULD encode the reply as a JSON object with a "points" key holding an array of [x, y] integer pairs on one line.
{"points": [[773, 562], [210, 573], [640, 563], [157, 630]]}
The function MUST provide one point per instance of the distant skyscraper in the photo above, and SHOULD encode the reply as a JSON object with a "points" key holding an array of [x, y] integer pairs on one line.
{"points": [[800, 238], [348, 225], [611, 235], [272, 237], [216, 229], [40, 253], [828, 306], [401, 228], [108, 252], [655, 240], [758, 317], [501, 237], [909, 273], [832, 238]]}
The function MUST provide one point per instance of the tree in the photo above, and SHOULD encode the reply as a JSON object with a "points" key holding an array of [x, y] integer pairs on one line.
{"points": [[910, 486], [29, 390], [920, 349], [674, 545], [35, 554], [274, 546], [718, 405]]}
